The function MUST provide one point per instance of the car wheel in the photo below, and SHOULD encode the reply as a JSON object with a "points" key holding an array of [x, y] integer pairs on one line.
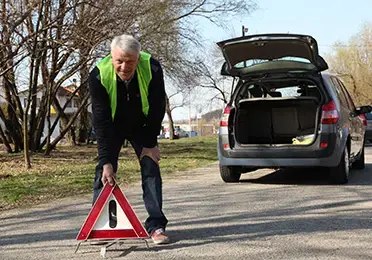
{"points": [[360, 162], [340, 173], [230, 173]]}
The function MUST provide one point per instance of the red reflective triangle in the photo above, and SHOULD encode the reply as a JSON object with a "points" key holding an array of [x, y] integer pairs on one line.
{"points": [[96, 226]]}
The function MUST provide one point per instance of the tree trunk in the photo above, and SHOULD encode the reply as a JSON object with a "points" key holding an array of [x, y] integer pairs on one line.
{"points": [[26, 149], [83, 126], [5, 141], [72, 141], [8, 112], [12, 131], [11, 122], [41, 117], [26, 136], [83, 120], [170, 119]]}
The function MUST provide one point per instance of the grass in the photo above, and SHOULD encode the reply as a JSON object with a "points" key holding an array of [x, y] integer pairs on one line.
{"points": [[69, 171]]}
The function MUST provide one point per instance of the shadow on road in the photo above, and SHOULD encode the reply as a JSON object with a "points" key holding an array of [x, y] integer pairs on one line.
{"points": [[203, 213], [309, 176], [219, 229]]}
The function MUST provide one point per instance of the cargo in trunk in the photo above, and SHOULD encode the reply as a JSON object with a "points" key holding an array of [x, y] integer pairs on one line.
{"points": [[276, 120]]}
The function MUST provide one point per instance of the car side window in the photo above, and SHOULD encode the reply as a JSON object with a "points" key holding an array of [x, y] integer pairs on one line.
{"points": [[347, 95], [340, 94]]}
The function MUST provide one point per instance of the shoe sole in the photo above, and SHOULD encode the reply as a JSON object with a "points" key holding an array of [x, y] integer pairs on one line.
{"points": [[162, 242]]}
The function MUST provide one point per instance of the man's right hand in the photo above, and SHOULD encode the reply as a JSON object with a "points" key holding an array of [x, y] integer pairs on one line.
{"points": [[108, 174]]}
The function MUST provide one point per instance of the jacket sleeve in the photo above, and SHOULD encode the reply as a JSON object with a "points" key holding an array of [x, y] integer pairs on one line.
{"points": [[156, 98], [102, 120]]}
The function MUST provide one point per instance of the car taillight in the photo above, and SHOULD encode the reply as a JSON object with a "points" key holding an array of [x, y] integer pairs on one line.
{"points": [[225, 116], [364, 120], [329, 113]]}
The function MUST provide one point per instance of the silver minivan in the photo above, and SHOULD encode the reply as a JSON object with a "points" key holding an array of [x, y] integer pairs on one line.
{"points": [[285, 111]]}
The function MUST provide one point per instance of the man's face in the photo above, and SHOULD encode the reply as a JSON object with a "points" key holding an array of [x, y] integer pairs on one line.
{"points": [[124, 63]]}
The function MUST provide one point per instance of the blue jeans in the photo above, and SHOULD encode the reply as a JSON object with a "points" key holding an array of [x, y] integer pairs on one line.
{"points": [[151, 187]]}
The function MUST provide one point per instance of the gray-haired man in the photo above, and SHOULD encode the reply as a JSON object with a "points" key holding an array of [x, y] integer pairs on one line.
{"points": [[128, 102]]}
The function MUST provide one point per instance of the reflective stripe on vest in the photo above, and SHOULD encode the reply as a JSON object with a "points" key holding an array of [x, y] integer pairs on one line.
{"points": [[108, 80]]}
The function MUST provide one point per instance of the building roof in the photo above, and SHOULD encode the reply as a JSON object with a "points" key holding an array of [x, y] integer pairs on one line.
{"points": [[62, 90], [67, 90]]}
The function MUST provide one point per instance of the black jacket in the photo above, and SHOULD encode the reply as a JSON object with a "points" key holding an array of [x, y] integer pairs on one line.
{"points": [[129, 121]]}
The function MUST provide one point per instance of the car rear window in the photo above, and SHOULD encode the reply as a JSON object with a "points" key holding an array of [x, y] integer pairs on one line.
{"points": [[278, 89], [294, 91], [250, 63]]}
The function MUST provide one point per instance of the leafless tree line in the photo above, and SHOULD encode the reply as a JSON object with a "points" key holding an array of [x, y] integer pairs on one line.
{"points": [[51, 42]]}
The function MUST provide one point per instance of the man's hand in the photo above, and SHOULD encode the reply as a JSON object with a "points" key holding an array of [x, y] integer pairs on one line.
{"points": [[153, 153], [108, 174]]}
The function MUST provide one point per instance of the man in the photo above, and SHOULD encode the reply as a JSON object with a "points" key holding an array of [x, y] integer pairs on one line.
{"points": [[128, 102]]}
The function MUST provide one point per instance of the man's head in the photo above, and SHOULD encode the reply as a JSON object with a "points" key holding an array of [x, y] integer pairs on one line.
{"points": [[125, 52]]}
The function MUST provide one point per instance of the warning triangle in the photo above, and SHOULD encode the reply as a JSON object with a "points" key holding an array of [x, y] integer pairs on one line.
{"points": [[112, 217]]}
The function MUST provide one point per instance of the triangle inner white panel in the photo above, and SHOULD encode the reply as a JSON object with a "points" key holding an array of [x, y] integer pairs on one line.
{"points": [[103, 220]]}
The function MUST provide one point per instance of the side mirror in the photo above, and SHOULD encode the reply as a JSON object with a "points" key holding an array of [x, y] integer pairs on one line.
{"points": [[363, 110]]}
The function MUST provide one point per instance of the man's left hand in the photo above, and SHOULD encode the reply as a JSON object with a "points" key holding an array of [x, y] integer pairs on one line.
{"points": [[153, 153]]}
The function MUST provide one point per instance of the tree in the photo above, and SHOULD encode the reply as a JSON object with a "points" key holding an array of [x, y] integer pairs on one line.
{"points": [[10, 57], [208, 70], [58, 39], [182, 67], [51, 42], [353, 62]]}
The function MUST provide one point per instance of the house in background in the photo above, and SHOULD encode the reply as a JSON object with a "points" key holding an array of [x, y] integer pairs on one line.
{"points": [[63, 95]]}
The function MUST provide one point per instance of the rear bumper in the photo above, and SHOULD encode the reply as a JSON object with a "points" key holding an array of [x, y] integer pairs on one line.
{"points": [[289, 156], [331, 161]]}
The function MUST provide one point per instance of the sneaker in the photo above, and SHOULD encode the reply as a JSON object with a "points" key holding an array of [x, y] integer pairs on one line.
{"points": [[159, 237]]}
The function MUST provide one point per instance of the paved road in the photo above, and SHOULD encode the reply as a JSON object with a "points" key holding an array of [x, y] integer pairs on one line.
{"points": [[269, 215]]}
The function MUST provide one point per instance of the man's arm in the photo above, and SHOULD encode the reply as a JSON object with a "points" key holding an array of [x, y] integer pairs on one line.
{"points": [[102, 120], [156, 100]]}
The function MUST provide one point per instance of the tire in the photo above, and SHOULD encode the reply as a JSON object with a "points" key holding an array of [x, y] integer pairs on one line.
{"points": [[359, 164], [230, 173], [340, 173]]}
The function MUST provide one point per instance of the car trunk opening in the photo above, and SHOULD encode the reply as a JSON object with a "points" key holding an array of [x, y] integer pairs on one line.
{"points": [[276, 119], [254, 54]]}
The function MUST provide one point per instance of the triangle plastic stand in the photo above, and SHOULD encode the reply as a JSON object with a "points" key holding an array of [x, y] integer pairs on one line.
{"points": [[111, 217]]}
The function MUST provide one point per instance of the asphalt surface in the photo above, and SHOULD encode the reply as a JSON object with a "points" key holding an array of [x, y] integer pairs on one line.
{"points": [[292, 214]]}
